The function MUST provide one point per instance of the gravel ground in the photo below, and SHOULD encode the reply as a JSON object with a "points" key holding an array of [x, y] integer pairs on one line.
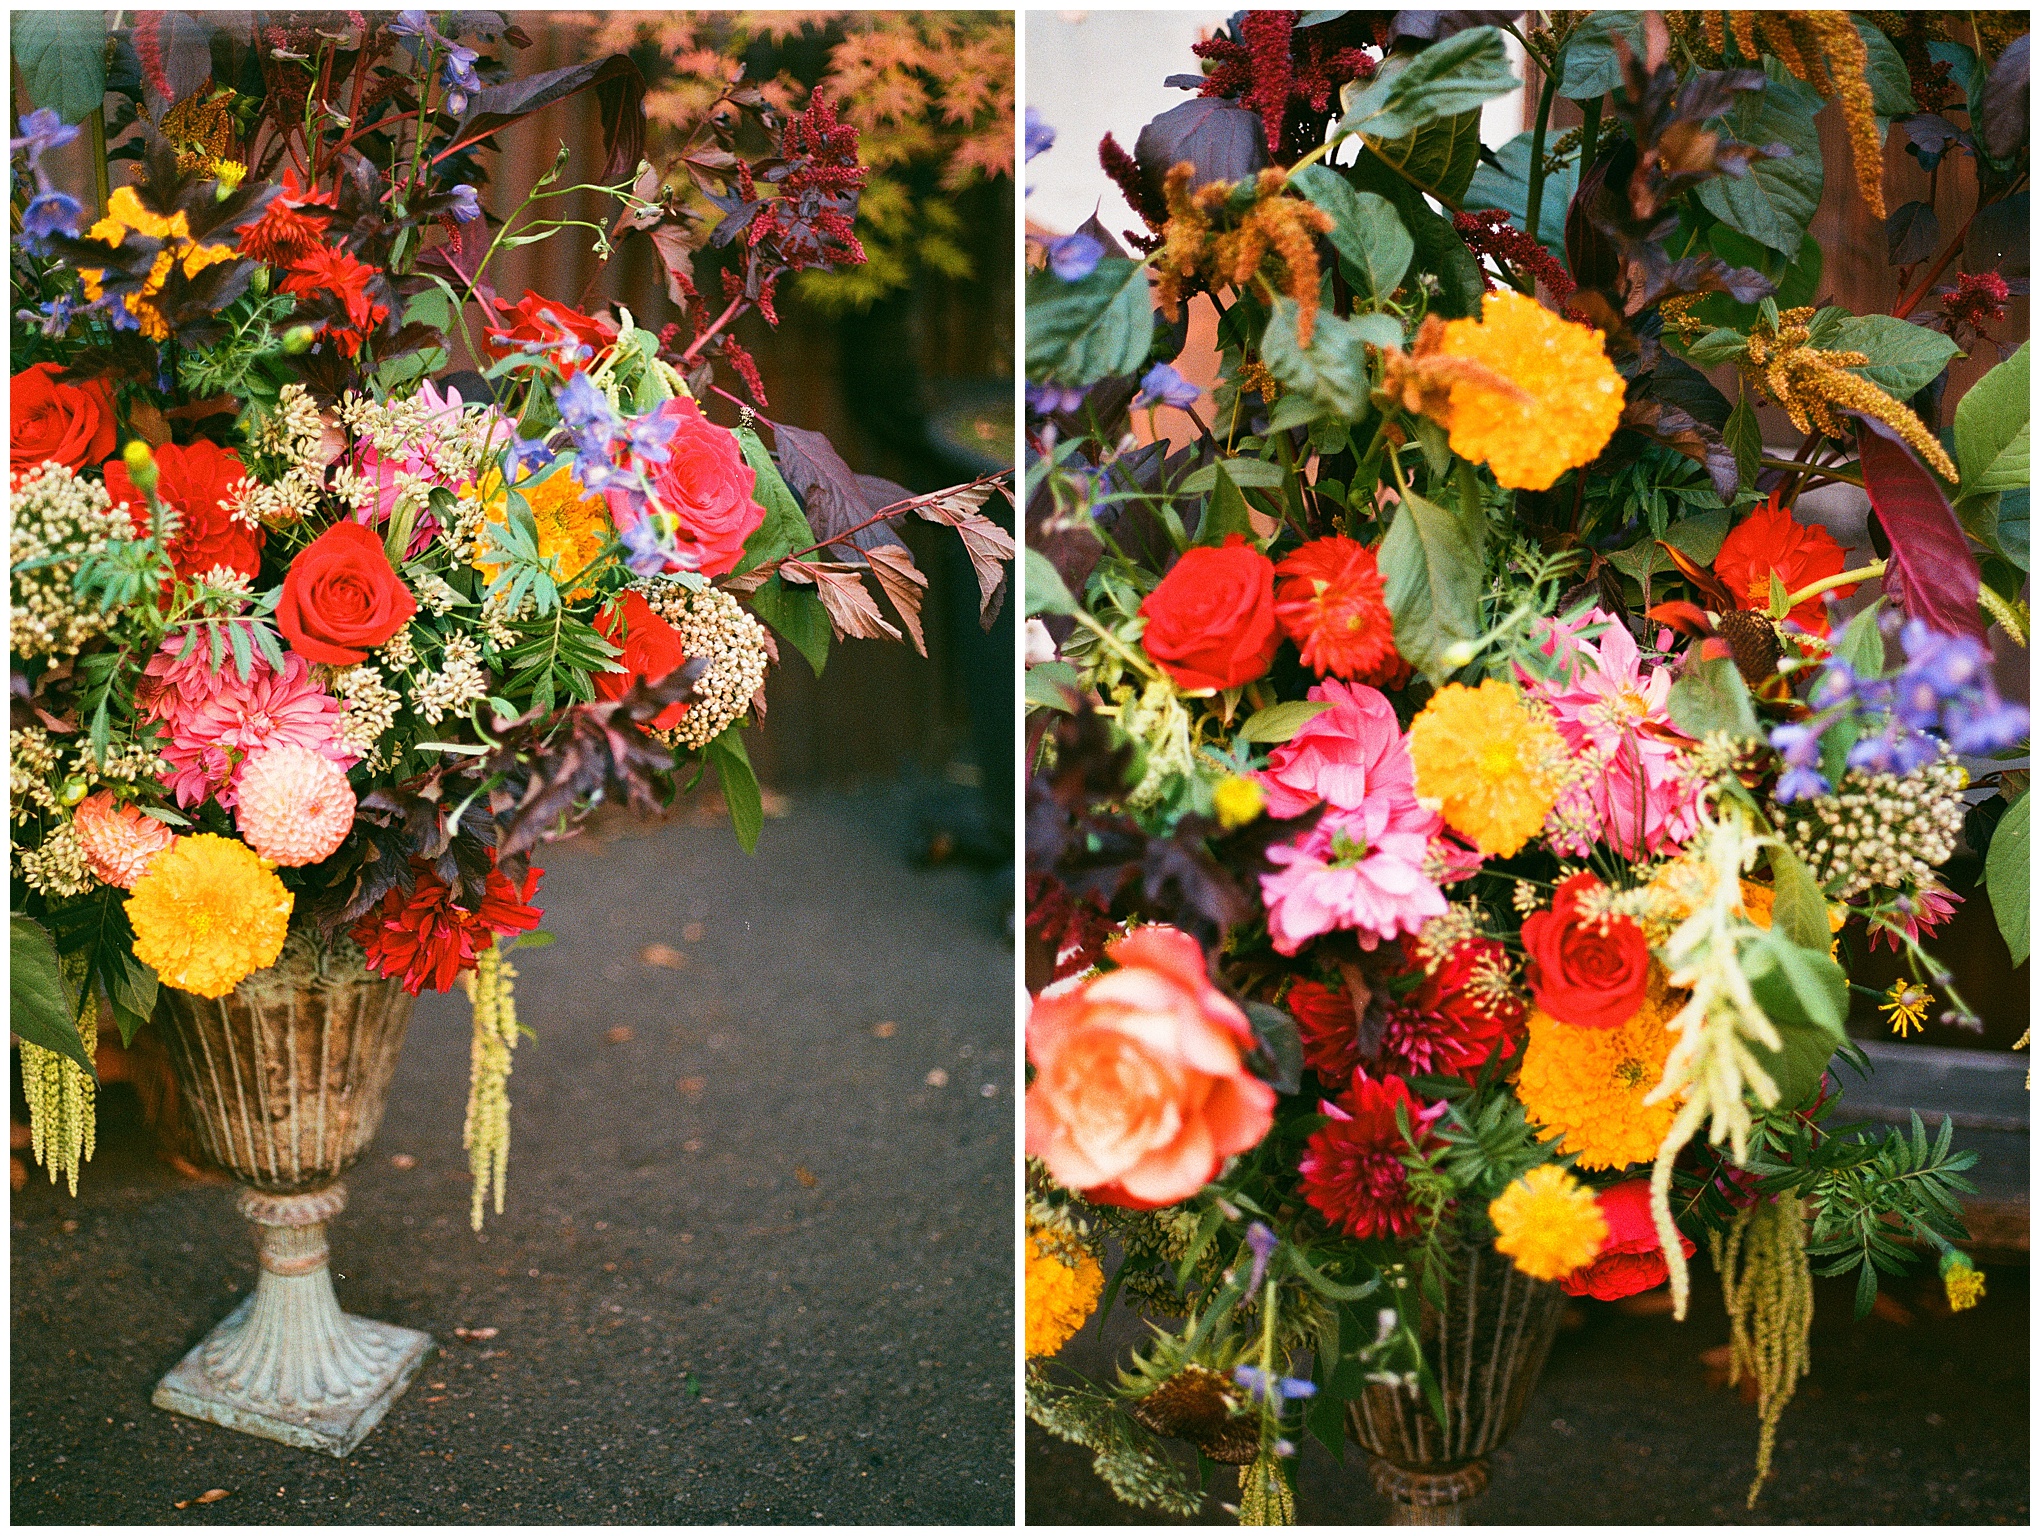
{"points": [[757, 1259], [1909, 1417]]}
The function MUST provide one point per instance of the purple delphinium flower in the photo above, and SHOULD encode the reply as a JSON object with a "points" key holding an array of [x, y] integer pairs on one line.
{"points": [[1054, 399], [461, 79], [1983, 723], [1074, 256], [1284, 1388], [49, 213], [1040, 137], [42, 130], [1799, 745], [1262, 1240], [467, 204], [1164, 386], [412, 24]]}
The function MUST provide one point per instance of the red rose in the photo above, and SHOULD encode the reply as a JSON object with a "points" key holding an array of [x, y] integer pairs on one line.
{"points": [[1588, 972], [1630, 1260], [541, 320], [705, 483], [71, 424], [1211, 623], [651, 649], [198, 484], [341, 599]]}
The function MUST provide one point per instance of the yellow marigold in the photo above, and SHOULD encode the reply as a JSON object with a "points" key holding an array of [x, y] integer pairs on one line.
{"points": [[572, 523], [1063, 1286], [1491, 763], [1588, 1085], [209, 912], [1237, 801], [1574, 395], [1962, 1281], [1549, 1223]]}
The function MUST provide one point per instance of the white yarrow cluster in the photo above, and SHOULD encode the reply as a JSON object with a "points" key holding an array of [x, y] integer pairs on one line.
{"points": [[459, 682], [714, 625], [1881, 830], [54, 513]]}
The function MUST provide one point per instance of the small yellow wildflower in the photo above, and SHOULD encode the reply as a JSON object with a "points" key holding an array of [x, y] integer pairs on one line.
{"points": [[1237, 801], [1962, 1280], [1906, 1004], [209, 912], [1493, 765], [1548, 1222], [1063, 1286]]}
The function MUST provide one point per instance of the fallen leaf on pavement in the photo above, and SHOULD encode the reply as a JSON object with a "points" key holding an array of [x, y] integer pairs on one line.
{"points": [[938, 1078], [476, 1333], [886, 1030], [665, 955], [402, 1160], [808, 1180], [210, 1496], [620, 1035]]}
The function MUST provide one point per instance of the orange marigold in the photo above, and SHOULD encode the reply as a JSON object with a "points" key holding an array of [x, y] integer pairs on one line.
{"points": [[1331, 600], [1490, 762], [1588, 1085]]}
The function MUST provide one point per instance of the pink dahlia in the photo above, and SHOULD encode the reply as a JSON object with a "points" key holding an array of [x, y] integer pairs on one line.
{"points": [[1634, 792], [1361, 869], [295, 805], [1352, 1166], [215, 721], [118, 841], [1342, 755]]}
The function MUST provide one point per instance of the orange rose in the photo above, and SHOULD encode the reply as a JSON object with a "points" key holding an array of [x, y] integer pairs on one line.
{"points": [[1141, 1089]]}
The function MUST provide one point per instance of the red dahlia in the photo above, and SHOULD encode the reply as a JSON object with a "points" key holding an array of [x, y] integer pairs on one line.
{"points": [[1769, 541], [1352, 1166], [327, 270], [1330, 1033], [1330, 599], [286, 231], [197, 484], [425, 940], [1456, 1018]]}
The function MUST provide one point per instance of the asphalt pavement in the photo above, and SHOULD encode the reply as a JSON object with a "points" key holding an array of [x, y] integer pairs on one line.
{"points": [[756, 1264], [1913, 1416]]}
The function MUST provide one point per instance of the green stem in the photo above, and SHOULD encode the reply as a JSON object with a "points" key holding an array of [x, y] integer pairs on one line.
{"points": [[1799, 466], [1590, 132], [1544, 101], [1814, 589], [97, 119]]}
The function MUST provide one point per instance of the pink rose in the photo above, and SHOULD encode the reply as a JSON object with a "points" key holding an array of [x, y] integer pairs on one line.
{"points": [[1343, 755], [705, 483], [1141, 1089]]}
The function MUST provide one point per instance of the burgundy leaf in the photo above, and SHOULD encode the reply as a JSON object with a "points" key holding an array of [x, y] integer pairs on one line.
{"points": [[837, 499], [619, 95], [853, 611], [1931, 573], [901, 580], [1223, 142]]}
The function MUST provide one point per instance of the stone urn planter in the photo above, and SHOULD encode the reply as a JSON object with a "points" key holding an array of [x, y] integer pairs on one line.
{"points": [[1486, 1345], [286, 1078]]}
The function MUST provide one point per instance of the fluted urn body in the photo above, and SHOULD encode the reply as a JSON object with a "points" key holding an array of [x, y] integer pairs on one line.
{"points": [[286, 1079], [1486, 1346]]}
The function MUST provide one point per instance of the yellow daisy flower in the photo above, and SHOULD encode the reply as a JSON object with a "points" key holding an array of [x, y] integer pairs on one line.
{"points": [[1565, 399], [1063, 1286], [1549, 1223], [1491, 764], [1588, 1085], [209, 912]]}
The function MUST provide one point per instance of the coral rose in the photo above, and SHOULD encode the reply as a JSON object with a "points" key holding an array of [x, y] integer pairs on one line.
{"points": [[198, 483], [706, 483], [341, 599], [1630, 1260], [651, 650], [70, 424], [1141, 1089], [1585, 971], [1211, 622]]}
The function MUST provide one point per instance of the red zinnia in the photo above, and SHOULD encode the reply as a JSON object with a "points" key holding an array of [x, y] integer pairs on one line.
{"points": [[535, 318], [424, 940], [1770, 540], [1454, 1021], [196, 483], [1352, 1166], [327, 270], [1330, 599]]}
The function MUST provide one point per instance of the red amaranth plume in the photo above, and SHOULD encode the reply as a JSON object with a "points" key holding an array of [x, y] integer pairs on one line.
{"points": [[1274, 67], [1266, 34], [1125, 173], [1488, 232]]}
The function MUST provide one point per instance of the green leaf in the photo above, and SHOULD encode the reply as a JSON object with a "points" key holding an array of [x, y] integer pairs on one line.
{"points": [[1049, 684], [1280, 722], [1506, 185], [1775, 200], [62, 58], [1441, 156], [1745, 440], [1890, 82], [1332, 370], [2007, 876], [786, 527], [1097, 327], [1798, 909], [1993, 428], [798, 615], [44, 1010], [1712, 697], [739, 786], [1862, 643], [1446, 79], [1904, 358], [1226, 511], [1046, 592], [1440, 251], [1717, 346], [1432, 563], [1243, 471], [1592, 66], [1366, 232], [1795, 985]]}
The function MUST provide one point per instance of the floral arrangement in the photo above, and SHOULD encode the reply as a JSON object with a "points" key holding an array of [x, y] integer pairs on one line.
{"points": [[1457, 799], [316, 636]]}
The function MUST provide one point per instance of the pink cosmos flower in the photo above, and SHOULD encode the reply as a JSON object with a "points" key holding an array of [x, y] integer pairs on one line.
{"points": [[1344, 755], [1635, 792], [214, 720], [1932, 905], [1361, 869]]}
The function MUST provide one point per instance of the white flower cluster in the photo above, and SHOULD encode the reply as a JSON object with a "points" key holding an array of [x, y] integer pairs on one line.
{"points": [[434, 595], [57, 868], [368, 709], [711, 624], [292, 435], [55, 514], [1881, 831], [31, 765], [459, 682], [127, 762]]}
